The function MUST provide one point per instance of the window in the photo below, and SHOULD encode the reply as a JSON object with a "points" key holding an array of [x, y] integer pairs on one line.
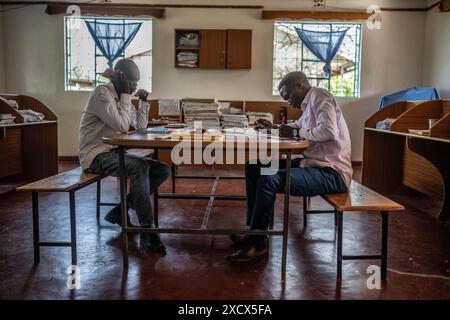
{"points": [[84, 61], [291, 55]]}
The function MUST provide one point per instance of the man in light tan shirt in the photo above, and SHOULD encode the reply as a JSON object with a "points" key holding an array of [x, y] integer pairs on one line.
{"points": [[109, 111]]}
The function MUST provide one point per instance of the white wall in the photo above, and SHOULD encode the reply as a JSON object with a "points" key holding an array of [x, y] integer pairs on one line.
{"points": [[436, 71], [34, 60]]}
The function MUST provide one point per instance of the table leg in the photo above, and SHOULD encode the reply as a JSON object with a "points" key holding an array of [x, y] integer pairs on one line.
{"points": [[287, 191], [123, 206], [155, 197]]}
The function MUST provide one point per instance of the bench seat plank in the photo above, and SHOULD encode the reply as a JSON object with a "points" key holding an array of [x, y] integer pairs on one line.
{"points": [[63, 182], [361, 198]]}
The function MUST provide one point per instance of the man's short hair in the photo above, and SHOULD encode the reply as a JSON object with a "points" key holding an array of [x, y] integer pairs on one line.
{"points": [[295, 77], [128, 67]]}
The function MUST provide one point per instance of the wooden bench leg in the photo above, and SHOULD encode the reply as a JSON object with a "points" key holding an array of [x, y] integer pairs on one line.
{"points": [[339, 244], [73, 228], [35, 205], [99, 190], [384, 243]]}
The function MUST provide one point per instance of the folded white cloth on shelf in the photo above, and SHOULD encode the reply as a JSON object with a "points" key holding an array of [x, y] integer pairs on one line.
{"points": [[12, 103], [31, 116], [6, 121], [6, 116]]}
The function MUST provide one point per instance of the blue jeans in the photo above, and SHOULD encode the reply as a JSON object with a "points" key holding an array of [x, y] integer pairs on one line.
{"points": [[146, 175], [261, 189]]}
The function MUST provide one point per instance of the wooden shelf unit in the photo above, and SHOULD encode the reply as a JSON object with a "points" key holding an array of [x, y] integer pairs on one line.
{"points": [[397, 157], [28, 151], [218, 48]]}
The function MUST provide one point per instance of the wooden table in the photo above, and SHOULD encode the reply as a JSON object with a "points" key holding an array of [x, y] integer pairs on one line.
{"points": [[148, 141]]}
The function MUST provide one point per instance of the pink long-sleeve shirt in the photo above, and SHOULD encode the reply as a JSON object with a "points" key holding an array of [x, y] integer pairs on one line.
{"points": [[324, 126]]}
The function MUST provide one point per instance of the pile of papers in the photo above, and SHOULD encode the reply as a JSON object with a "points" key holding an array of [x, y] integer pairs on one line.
{"points": [[385, 124], [187, 59], [189, 39], [234, 121], [206, 112], [253, 116], [6, 118]]}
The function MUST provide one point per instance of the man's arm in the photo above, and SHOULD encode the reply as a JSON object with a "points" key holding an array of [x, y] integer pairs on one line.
{"points": [[106, 109], [139, 117], [326, 128]]}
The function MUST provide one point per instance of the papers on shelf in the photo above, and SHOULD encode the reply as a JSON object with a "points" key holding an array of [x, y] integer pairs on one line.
{"points": [[253, 116], [6, 118], [419, 132], [234, 120], [385, 124], [169, 107], [206, 112]]}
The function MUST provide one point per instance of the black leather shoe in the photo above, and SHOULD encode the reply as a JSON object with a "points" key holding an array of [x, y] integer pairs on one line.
{"points": [[250, 253], [151, 242], [114, 217]]}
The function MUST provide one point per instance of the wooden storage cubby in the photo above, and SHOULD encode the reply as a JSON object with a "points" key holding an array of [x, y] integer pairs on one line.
{"points": [[180, 48], [398, 157], [218, 48], [28, 151]]}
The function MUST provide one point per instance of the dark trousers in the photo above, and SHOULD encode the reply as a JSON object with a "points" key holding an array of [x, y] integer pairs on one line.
{"points": [[146, 175], [261, 189]]}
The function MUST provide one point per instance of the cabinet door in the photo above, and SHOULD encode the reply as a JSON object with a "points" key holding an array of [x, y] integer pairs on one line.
{"points": [[10, 152], [239, 49], [212, 49]]}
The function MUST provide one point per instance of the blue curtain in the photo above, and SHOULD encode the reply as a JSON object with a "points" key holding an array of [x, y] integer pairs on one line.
{"points": [[112, 38], [324, 45]]}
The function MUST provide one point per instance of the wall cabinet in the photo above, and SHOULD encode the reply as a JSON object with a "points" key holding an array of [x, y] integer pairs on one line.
{"points": [[213, 49]]}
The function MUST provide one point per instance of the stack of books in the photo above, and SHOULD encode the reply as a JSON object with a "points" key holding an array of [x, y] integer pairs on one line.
{"points": [[205, 112], [253, 116], [6, 118], [234, 121]]}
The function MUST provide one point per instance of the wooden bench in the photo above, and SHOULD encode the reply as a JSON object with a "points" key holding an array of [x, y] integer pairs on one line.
{"points": [[363, 199], [68, 181]]}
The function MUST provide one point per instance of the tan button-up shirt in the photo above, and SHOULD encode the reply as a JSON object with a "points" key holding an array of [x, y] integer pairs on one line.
{"points": [[104, 115]]}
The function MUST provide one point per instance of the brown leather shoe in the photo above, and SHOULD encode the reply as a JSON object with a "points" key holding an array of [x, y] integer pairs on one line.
{"points": [[250, 253]]}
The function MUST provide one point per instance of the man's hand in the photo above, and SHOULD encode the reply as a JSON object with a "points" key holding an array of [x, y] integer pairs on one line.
{"points": [[121, 83], [264, 124], [286, 131], [142, 94]]}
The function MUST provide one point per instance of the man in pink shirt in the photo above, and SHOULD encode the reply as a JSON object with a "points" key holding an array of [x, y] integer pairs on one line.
{"points": [[324, 168]]}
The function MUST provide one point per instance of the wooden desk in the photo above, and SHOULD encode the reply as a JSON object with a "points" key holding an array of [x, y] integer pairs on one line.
{"points": [[148, 141], [395, 157]]}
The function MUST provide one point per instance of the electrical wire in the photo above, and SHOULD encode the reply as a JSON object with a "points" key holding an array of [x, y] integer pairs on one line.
{"points": [[14, 8], [421, 275]]}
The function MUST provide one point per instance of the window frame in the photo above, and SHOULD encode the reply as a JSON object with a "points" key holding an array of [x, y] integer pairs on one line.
{"points": [[358, 55], [68, 54]]}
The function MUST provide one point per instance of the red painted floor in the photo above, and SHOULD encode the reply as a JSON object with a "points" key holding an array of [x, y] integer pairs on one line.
{"points": [[194, 267]]}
